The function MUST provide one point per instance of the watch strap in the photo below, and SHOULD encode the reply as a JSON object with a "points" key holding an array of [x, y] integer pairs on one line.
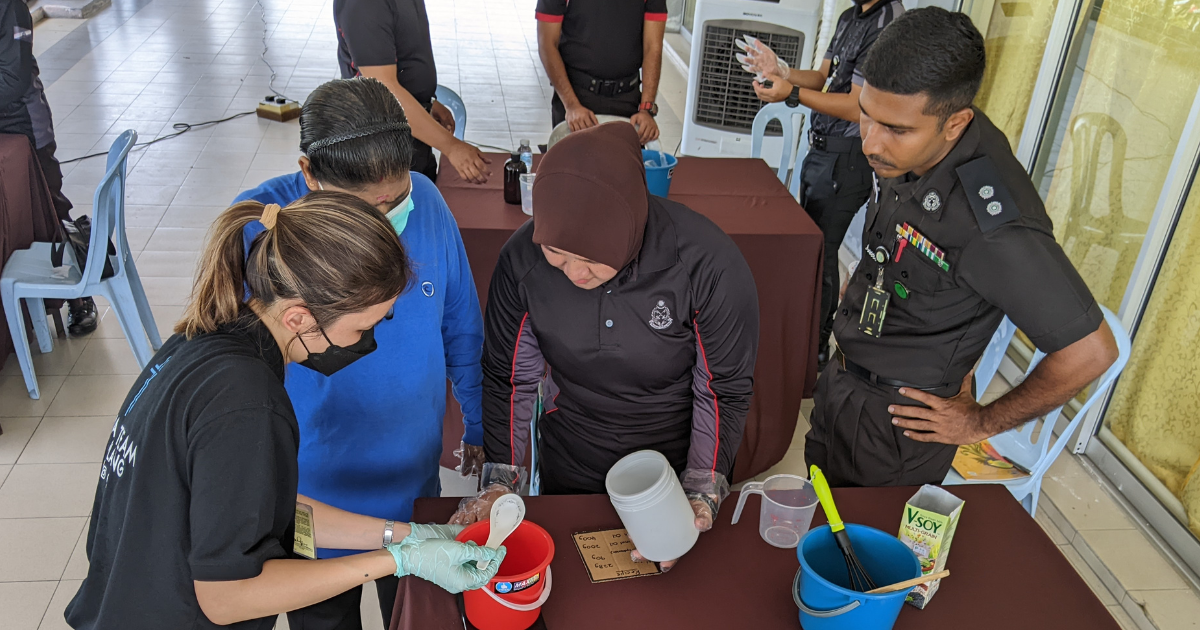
{"points": [[389, 527], [793, 98]]}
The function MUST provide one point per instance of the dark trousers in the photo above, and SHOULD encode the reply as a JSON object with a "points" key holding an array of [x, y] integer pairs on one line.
{"points": [[342, 612], [52, 171], [833, 186], [853, 441], [423, 160], [620, 105]]}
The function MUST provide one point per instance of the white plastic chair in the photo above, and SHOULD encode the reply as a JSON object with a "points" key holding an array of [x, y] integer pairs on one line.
{"points": [[458, 109], [1018, 444], [29, 275], [793, 120]]}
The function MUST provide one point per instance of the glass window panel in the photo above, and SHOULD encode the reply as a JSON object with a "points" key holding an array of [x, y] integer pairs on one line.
{"points": [[1153, 410], [1015, 42], [1122, 114]]}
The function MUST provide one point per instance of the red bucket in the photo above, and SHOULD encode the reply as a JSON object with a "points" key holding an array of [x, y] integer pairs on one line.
{"points": [[513, 599]]}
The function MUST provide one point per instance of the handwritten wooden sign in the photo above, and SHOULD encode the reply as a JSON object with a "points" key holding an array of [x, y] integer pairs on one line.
{"points": [[606, 556]]}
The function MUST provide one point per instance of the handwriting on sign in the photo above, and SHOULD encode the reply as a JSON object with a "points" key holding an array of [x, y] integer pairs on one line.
{"points": [[606, 554]]}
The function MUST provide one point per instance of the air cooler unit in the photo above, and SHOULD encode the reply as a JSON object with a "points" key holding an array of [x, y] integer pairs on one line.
{"points": [[721, 102]]}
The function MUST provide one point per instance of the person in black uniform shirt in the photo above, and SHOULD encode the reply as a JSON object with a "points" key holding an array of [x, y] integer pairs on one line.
{"points": [[835, 178], [25, 110], [196, 513], [593, 51], [389, 40], [956, 238], [636, 316]]}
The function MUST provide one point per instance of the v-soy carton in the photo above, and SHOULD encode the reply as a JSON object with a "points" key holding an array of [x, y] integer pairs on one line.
{"points": [[930, 518]]}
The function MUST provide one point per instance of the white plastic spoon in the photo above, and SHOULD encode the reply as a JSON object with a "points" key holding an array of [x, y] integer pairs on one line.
{"points": [[507, 513]]}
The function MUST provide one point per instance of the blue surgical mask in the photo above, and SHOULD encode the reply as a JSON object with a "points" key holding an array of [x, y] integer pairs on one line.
{"points": [[399, 215]]}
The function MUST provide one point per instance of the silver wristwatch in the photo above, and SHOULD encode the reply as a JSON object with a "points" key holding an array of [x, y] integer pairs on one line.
{"points": [[388, 526]]}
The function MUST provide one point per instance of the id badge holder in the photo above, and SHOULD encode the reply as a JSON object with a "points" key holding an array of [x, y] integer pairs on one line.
{"points": [[874, 308], [305, 538]]}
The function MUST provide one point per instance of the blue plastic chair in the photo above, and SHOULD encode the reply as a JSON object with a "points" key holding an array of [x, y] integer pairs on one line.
{"points": [[29, 275], [989, 363], [1019, 445], [454, 103], [793, 121]]}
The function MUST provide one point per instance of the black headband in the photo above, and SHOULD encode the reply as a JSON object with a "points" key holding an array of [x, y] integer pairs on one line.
{"points": [[361, 133]]}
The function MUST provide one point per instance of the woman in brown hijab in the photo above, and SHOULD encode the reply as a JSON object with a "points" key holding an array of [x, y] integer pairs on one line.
{"points": [[636, 317]]}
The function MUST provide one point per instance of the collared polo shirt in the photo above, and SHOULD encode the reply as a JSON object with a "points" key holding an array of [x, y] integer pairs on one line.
{"points": [[855, 33], [602, 37], [660, 357], [978, 246], [386, 32]]}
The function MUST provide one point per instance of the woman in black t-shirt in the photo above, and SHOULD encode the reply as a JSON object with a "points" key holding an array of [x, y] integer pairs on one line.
{"points": [[196, 514]]}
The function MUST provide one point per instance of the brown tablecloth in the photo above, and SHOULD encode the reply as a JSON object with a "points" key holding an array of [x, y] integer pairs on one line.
{"points": [[1005, 572], [780, 242], [26, 211]]}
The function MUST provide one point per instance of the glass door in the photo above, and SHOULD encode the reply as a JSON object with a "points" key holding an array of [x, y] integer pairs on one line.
{"points": [[1116, 167]]}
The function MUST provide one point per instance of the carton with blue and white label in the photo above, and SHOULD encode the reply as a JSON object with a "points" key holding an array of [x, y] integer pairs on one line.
{"points": [[927, 527]]}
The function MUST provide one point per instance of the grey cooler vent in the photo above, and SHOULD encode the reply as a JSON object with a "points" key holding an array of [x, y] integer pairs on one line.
{"points": [[725, 98]]}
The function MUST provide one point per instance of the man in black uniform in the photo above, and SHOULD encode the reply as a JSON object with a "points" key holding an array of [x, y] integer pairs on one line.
{"points": [[389, 40], [25, 110], [835, 178], [956, 238], [592, 51]]}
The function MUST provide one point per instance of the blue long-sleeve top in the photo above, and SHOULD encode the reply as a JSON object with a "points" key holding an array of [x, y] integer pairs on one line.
{"points": [[371, 434]]}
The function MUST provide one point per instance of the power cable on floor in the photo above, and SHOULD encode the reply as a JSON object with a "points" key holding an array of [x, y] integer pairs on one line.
{"points": [[182, 128], [263, 56]]}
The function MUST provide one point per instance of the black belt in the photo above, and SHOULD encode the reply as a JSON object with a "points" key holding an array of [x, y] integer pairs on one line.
{"points": [[604, 87], [872, 377], [834, 144]]}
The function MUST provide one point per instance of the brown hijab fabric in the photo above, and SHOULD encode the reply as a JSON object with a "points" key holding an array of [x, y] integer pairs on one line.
{"points": [[589, 196]]}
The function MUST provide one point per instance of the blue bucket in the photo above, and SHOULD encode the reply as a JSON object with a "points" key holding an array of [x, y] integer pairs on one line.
{"points": [[821, 589], [658, 177]]}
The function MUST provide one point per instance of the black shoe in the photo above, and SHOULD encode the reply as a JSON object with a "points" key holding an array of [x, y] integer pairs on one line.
{"points": [[81, 317]]}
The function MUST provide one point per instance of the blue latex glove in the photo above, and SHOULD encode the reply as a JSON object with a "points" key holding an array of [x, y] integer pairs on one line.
{"points": [[428, 532], [450, 565]]}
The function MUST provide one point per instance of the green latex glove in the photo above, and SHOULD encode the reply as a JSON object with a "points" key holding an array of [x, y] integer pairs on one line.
{"points": [[450, 565], [429, 532]]}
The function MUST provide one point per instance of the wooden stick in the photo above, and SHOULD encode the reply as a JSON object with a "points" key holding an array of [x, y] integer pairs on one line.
{"points": [[900, 586]]}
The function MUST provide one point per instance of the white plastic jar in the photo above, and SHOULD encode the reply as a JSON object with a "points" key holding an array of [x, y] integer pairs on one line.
{"points": [[652, 505]]}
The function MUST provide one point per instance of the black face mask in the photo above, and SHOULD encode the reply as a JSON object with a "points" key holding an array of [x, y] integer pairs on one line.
{"points": [[336, 357]]}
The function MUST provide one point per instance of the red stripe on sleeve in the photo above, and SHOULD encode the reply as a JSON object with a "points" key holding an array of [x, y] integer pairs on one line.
{"points": [[656, 17], [716, 405], [512, 399], [547, 17]]}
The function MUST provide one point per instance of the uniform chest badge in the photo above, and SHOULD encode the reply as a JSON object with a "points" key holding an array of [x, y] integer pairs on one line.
{"points": [[906, 235], [660, 317], [932, 201], [427, 289]]}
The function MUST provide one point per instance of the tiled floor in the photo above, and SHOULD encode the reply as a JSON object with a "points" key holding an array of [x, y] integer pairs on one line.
{"points": [[146, 64]]}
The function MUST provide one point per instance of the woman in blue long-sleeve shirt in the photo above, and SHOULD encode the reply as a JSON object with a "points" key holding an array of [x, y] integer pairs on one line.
{"points": [[356, 139]]}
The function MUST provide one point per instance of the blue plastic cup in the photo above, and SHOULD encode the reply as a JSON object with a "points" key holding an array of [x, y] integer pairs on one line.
{"points": [[658, 176], [822, 587]]}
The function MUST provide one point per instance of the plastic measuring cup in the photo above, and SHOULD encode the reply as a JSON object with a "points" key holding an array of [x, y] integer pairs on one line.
{"points": [[788, 504], [527, 193]]}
